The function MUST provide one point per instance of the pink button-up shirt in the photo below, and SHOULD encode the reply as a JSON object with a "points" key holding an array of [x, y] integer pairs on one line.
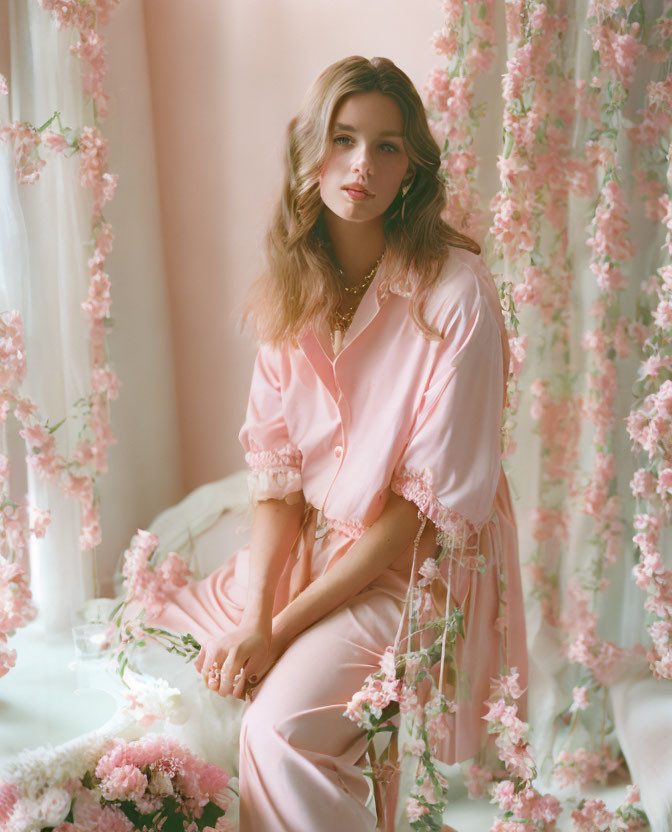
{"points": [[396, 410], [392, 409]]}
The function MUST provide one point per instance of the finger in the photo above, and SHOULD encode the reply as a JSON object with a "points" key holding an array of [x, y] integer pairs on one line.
{"points": [[198, 663], [226, 679], [231, 675], [239, 686], [213, 678]]}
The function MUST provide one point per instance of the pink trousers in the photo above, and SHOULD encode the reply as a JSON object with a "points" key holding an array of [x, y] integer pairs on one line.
{"points": [[301, 760]]}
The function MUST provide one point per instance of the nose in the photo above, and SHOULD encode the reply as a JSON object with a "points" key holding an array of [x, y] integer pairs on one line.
{"points": [[361, 161]]}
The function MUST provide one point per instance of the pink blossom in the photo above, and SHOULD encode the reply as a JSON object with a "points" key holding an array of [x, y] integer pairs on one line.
{"points": [[580, 701], [480, 58], [55, 141], [592, 817], [516, 728], [414, 809], [415, 746], [388, 663], [664, 398], [608, 277], [429, 571], [25, 142], [518, 347], [508, 685], [496, 709], [41, 519], [664, 486], [445, 41], [654, 364], [9, 796], [663, 314], [174, 571], [518, 760], [7, 656], [427, 790], [476, 779], [408, 702], [90, 536], [89, 815], [632, 795], [4, 86], [105, 381], [99, 299], [145, 542], [437, 87]]}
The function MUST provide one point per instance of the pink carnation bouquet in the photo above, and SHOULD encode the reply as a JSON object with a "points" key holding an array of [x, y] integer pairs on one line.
{"points": [[112, 785]]}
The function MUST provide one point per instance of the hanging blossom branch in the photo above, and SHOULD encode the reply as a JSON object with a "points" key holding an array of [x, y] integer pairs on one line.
{"points": [[146, 589], [467, 40], [95, 434], [83, 17], [74, 476], [614, 34], [650, 422], [406, 684], [537, 173], [16, 605]]}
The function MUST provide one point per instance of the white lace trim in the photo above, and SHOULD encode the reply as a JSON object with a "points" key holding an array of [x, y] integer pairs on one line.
{"points": [[416, 486], [273, 474]]}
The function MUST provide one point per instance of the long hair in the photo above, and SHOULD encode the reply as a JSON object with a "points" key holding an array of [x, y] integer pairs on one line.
{"points": [[300, 284]]}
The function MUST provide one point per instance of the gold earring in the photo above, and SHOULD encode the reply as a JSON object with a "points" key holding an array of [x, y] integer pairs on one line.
{"points": [[406, 188]]}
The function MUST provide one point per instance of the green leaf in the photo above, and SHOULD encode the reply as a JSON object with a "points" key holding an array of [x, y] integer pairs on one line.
{"points": [[174, 821], [139, 820], [211, 814]]}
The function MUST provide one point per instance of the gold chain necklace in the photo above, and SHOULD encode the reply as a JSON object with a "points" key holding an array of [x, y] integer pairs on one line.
{"points": [[342, 320]]}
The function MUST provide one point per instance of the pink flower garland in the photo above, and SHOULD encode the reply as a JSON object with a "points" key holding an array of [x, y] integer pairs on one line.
{"points": [[468, 30], [650, 423]]}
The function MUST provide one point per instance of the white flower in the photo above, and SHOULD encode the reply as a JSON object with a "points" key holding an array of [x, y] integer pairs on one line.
{"points": [[54, 806], [36, 770], [153, 697]]}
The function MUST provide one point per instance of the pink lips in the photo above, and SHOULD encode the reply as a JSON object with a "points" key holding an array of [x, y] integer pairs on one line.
{"points": [[356, 192], [356, 195]]}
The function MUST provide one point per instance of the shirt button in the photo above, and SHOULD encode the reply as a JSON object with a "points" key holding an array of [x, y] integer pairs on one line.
{"points": [[338, 451]]}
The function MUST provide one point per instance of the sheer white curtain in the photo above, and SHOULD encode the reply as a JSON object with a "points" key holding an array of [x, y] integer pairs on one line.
{"points": [[44, 276], [44, 246]]}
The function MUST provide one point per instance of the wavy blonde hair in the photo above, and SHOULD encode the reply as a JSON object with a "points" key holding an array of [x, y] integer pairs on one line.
{"points": [[300, 285]]}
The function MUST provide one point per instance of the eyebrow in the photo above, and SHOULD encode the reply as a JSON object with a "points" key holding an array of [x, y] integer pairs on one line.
{"points": [[349, 127]]}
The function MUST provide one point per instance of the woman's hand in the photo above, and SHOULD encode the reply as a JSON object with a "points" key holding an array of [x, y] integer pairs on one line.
{"points": [[228, 660]]}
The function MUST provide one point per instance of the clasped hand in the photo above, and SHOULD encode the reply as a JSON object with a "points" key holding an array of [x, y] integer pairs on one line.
{"points": [[229, 660]]}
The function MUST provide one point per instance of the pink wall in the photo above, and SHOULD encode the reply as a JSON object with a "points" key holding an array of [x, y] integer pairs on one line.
{"points": [[226, 78]]}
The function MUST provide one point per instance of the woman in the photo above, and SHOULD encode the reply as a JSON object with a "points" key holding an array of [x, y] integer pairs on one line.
{"points": [[373, 424]]}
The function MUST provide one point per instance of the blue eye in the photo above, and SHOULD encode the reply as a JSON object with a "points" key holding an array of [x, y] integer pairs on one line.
{"points": [[338, 139]]}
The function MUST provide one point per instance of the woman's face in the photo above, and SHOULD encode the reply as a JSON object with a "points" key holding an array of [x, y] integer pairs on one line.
{"points": [[367, 153]]}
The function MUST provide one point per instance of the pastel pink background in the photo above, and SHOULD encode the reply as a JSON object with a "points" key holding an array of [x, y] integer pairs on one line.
{"points": [[225, 80]]}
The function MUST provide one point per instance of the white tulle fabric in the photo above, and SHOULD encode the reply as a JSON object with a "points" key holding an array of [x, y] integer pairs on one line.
{"points": [[44, 274], [44, 231]]}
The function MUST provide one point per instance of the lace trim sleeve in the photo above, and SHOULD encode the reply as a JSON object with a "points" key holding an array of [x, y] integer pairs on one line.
{"points": [[273, 474], [456, 531]]}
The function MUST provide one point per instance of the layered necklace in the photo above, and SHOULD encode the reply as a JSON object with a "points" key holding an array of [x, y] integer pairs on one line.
{"points": [[341, 320]]}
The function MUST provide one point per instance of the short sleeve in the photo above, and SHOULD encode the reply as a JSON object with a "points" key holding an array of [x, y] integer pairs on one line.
{"points": [[274, 461], [450, 465]]}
